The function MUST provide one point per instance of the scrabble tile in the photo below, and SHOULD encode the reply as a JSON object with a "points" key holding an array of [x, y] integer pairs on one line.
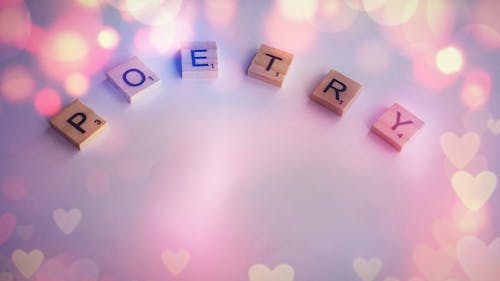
{"points": [[336, 92], [270, 65], [397, 126], [78, 123], [199, 60], [133, 79]]}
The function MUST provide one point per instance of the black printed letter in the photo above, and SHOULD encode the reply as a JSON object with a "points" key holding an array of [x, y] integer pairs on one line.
{"points": [[79, 123], [272, 61], [337, 90]]}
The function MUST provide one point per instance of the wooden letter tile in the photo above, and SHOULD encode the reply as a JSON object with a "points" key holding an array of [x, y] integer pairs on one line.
{"points": [[270, 65], [133, 78], [78, 123], [397, 126], [336, 92], [199, 60]]}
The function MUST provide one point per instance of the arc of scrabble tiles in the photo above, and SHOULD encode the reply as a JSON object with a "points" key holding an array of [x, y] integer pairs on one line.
{"points": [[199, 60]]}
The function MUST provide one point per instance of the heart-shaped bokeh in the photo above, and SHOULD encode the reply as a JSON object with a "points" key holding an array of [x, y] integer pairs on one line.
{"points": [[367, 270], [260, 272], [27, 263], [67, 221], [474, 192], [479, 261], [460, 150], [435, 265], [494, 126], [175, 262]]}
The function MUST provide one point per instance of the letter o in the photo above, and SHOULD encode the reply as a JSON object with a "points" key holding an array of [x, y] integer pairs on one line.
{"points": [[143, 77]]}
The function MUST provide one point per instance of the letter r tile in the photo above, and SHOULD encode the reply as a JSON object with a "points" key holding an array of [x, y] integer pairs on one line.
{"points": [[336, 92], [78, 123], [397, 126], [133, 78]]}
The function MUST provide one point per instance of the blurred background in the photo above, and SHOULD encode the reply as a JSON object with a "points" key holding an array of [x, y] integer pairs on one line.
{"points": [[234, 179]]}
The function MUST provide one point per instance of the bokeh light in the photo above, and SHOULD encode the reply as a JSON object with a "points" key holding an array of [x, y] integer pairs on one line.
{"points": [[16, 83], [467, 221], [426, 72], [14, 188], [273, 27], [449, 60], [392, 12], [76, 84], [154, 12], [47, 102], [332, 16], [297, 10], [161, 38], [486, 23], [15, 27], [68, 46], [90, 3], [365, 5], [431, 26], [165, 39], [108, 38], [476, 89], [221, 13]]}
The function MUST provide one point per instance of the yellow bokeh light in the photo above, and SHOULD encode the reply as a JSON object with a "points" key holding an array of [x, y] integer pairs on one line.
{"points": [[333, 16], [330, 9], [449, 60], [16, 84], [154, 12], [89, 3], [108, 38], [76, 84], [392, 12], [370, 5], [68, 47], [297, 10]]}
